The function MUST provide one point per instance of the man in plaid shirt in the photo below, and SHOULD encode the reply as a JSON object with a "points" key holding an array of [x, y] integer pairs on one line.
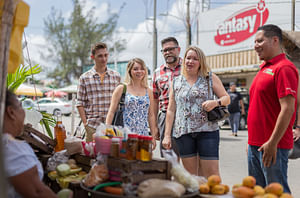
{"points": [[95, 90], [162, 79]]}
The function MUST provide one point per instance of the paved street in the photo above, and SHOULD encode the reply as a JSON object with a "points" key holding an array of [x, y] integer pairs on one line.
{"points": [[233, 159]]}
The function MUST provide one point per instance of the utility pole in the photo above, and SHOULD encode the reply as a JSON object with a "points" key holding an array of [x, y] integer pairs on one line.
{"points": [[154, 38], [293, 15], [188, 25]]}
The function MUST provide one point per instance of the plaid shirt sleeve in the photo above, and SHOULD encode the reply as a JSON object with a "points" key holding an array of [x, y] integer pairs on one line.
{"points": [[156, 91], [81, 93], [118, 78]]}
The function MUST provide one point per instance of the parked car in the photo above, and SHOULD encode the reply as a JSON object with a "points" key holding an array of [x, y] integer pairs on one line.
{"points": [[52, 106], [27, 103]]}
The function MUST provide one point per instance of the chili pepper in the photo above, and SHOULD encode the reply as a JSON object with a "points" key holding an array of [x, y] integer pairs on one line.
{"points": [[113, 190]]}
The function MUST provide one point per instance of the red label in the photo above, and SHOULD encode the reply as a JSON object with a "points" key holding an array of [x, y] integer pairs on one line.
{"points": [[242, 25]]}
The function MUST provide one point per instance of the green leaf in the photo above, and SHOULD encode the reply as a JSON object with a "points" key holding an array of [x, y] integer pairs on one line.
{"points": [[23, 73], [13, 81], [45, 123]]}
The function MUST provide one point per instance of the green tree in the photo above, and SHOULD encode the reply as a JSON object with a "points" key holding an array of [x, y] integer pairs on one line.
{"points": [[70, 40]]}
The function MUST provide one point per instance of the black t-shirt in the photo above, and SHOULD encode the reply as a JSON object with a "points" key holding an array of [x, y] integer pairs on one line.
{"points": [[234, 105]]}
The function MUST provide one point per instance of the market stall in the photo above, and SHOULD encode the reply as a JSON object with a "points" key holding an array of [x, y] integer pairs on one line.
{"points": [[118, 165]]}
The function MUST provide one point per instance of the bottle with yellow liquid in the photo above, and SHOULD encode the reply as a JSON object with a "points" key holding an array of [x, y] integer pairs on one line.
{"points": [[60, 133]]}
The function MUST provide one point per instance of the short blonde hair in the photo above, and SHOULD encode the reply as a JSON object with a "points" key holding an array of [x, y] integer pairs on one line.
{"points": [[128, 78], [203, 69]]}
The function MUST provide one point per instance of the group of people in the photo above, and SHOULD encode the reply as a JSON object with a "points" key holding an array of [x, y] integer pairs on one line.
{"points": [[175, 109], [175, 106]]}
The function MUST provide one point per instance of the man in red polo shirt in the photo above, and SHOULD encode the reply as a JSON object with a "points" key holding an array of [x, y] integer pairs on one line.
{"points": [[273, 100]]}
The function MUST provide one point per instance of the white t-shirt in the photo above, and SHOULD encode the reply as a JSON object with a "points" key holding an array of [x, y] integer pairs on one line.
{"points": [[18, 158]]}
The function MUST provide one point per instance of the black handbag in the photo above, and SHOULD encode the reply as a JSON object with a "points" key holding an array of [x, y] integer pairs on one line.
{"points": [[118, 117], [295, 152], [219, 113]]}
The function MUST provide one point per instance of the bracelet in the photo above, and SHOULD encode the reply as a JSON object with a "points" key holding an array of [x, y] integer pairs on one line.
{"points": [[297, 126]]}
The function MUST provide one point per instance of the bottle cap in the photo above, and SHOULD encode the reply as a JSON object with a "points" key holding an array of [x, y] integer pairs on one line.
{"points": [[115, 140], [132, 135], [58, 113], [148, 138]]}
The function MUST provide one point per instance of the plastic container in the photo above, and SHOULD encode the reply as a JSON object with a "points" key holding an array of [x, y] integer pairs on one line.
{"points": [[103, 145]]}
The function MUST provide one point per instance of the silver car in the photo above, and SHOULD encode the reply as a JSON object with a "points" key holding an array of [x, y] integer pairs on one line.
{"points": [[53, 105]]}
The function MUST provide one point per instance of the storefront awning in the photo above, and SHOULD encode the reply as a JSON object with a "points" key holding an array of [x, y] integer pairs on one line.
{"points": [[236, 69]]}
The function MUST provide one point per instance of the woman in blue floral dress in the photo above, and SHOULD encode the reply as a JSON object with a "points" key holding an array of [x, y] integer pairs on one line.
{"points": [[196, 137], [138, 100]]}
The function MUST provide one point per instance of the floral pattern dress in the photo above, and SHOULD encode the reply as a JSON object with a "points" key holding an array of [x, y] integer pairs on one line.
{"points": [[190, 117], [135, 115]]}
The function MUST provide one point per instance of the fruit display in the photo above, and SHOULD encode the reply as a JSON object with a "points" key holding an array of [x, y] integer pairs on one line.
{"points": [[113, 132], [213, 186], [67, 173], [249, 189]]}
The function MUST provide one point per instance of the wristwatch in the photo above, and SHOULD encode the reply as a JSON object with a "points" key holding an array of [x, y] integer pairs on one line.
{"points": [[220, 104]]}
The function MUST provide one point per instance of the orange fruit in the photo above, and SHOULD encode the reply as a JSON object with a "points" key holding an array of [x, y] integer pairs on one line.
{"points": [[274, 188], [218, 189], [204, 188], [243, 192], [249, 181], [213, 180]]}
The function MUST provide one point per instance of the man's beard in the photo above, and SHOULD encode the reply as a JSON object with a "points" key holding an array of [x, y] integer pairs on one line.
{"points": [[170, 59]]}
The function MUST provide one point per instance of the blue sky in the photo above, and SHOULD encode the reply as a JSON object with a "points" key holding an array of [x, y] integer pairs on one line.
{"points": [[134, 25]]}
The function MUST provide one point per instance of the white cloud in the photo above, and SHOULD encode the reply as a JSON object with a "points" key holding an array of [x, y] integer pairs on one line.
{"points": [[35, 44], [139, 39]]}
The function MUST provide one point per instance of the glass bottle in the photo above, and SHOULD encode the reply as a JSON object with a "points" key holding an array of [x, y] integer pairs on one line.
{"points": [[138, 150], [60, 133], [131, 146], [122, 153], [146, 149], [114, 150]]}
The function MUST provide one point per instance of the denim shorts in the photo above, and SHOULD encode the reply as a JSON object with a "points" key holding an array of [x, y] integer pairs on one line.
{"points": [[204, 144]]}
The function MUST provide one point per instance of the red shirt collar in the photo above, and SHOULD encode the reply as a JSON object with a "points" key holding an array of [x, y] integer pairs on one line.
{"points": [[274, 60]]}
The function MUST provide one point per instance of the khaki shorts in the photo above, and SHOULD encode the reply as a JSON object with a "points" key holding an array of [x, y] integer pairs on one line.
{"points": [[89, 133]]}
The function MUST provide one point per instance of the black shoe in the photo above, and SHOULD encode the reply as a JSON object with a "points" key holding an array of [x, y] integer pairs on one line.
{"points": [[235, 134]]}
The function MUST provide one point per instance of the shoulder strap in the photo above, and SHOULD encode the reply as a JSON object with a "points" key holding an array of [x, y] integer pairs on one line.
{"points": [[122, 100], [209, 83], [124, 88]]}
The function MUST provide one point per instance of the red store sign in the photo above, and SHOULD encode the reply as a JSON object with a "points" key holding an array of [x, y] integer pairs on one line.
{"points": [[242, 25]]}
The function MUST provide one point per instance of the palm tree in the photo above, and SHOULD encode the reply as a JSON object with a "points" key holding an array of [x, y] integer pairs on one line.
{"points": [[13, 81]]}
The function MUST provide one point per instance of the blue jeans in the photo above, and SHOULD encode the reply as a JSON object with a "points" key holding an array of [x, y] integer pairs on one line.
{"points": [[266, 175], [234, 120]]}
